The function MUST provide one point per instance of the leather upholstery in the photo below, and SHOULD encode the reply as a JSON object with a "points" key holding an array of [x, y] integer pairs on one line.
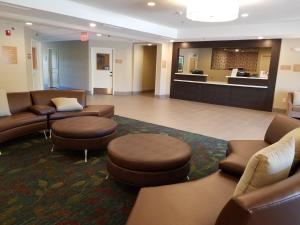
{"points": [[98, 143], [147, 178], [42, 109], [90, 110], [280, 126], [16, 132], [84, 127], [44, 97], [277, 204], [19, 101], [149, 152], [240, 151], [192, 203], [211, 202], [20, 119]]}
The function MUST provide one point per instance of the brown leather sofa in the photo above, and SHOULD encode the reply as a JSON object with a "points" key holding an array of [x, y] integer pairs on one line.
{"points": [[34, 111], [209, 201]]}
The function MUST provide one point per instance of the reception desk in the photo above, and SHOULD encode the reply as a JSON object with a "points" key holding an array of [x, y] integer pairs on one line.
{"points": [[245, 92], [223, 93]]}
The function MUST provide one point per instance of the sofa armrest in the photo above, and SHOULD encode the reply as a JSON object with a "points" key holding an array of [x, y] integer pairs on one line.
{"points": [[277, 204], [42, 109]]}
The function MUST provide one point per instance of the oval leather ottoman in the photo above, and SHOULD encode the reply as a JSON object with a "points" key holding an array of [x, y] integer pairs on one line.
{"points": [[83, 133], [148, 159]]}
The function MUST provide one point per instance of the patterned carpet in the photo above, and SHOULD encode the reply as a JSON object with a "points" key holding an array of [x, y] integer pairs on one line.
{"points": [[40, 187]]}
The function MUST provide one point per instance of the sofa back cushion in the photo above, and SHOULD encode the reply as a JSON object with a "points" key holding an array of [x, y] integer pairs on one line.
{"points": [[268, 166], [280, 126], [19, 101], [44, 97]]}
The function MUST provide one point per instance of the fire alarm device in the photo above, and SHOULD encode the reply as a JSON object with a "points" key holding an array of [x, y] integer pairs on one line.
{"points": [[8, 32]]}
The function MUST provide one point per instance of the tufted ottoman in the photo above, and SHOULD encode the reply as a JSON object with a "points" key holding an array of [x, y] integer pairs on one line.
{"points": [[148, 159], [83, 133]]}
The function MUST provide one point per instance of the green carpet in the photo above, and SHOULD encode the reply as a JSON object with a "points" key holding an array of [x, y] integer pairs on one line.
{"points": [[40, 187]]}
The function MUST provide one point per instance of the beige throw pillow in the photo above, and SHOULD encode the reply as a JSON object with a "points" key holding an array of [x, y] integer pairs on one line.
{"points": [[296, 100], [296, 134], [66, 104], [4, 106], [268, 166]]}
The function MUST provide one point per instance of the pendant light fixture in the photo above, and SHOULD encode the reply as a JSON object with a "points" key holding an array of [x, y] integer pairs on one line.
{"points": [[212, 10]]}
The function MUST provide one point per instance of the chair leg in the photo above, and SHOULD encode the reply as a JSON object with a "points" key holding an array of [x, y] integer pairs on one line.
{"points": [[85, 155], [45, 134], [107, 177], [0, 153], [52, 149], [50, 133], [187, 178]]}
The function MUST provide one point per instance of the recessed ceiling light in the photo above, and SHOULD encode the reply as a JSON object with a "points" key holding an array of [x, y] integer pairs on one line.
{"points": [[151, 4], [236, 50], [93, 25], [260, 38], [99, 35], [172, 41], [244, 15], [149, 44], [28, 23]]}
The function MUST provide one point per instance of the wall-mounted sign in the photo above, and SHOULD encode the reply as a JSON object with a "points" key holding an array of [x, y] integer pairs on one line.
{"points": [[9, 55], [296, 68], [285, 67], [119, 61]]}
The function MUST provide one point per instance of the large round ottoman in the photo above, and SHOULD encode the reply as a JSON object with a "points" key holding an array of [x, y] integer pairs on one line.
{"points": [[83, 133], [148, 159]]}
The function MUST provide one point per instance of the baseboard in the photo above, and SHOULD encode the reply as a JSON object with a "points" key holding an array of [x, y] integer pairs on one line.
{"points": [[162, 96], [121, 93]]}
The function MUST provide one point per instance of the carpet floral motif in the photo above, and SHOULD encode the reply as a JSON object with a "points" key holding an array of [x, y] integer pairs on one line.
{"points": [[38, 187]]}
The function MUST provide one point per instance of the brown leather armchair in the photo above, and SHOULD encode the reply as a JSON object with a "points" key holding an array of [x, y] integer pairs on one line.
{"points": [[293, 110], [209, 201]]}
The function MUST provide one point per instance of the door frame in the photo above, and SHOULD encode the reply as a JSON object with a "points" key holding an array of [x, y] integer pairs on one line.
{"points": [[48, 67], [91, 83], [39, 60]]}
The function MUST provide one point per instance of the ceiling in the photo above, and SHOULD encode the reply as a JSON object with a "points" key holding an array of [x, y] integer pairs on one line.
{"points": [[133, 20], [166, 12]]}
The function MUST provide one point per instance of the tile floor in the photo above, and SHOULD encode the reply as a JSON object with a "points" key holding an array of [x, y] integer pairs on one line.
{"points": [[212, 120]]}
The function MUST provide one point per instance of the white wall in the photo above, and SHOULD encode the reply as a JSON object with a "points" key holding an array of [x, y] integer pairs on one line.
{"points": [[13, 77], [73, 63], [163, 69], [287, 81], [122, 72]]}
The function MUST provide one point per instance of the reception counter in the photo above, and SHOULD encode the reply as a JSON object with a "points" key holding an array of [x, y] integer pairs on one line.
{"points": [[252, 96]]}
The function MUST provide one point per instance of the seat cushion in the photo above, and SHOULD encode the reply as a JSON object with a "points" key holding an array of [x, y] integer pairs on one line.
{"points": [[268, 166], [90, 110], [84, 127], [240, 152], [149, 152], [192, 203], [20, 119]]}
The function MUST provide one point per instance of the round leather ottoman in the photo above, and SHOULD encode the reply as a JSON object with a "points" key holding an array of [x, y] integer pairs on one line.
{"points": [[83, 133], [148, 159]]}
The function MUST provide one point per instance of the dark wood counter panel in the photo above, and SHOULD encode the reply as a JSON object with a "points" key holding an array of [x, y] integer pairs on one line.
{"points": [[248, 81], [231, 95]]}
